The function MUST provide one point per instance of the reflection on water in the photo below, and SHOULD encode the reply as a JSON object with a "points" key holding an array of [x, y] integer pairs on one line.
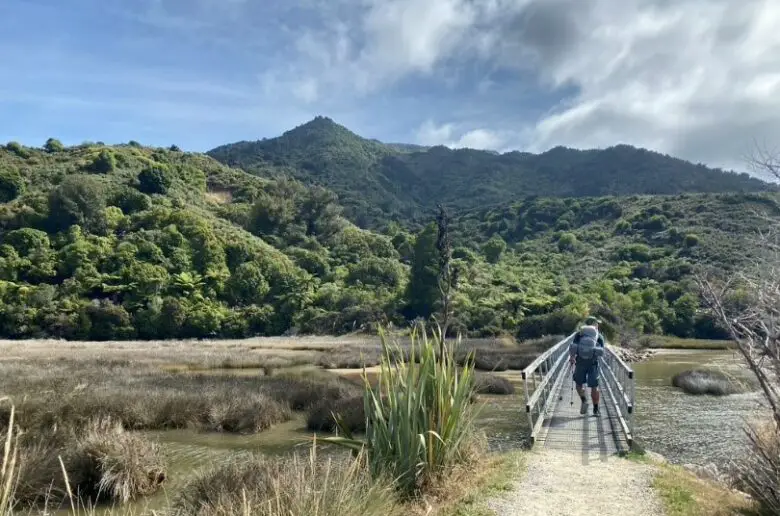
{"points": [[686, 428]]}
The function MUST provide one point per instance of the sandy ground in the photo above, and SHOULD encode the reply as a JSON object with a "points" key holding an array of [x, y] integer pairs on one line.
{"points": [[563, 483]]}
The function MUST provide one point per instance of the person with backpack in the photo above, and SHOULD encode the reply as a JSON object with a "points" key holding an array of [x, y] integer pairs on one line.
{"points": [[584, 351]]}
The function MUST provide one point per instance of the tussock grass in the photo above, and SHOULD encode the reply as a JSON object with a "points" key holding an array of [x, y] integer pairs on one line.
{"points": [[70, 394], [705, 381], [322, 417], [103, 462], [283, 486], [493, 384], [419, 420]]}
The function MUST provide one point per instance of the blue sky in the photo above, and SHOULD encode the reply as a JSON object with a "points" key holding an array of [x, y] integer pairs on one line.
{"points": [[699, 79]]}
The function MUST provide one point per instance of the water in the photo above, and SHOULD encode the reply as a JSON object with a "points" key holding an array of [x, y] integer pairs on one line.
{"points": [[686, 428]]}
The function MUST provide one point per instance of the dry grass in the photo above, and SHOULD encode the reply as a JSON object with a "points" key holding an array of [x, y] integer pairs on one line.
{"points": [[493, 384], [286, 486], [70, 393], [758, 474], [321, 417], [102, 462]]}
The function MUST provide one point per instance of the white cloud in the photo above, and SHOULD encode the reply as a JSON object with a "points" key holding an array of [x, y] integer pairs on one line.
{"points": [[695, 78], [451, 136]]}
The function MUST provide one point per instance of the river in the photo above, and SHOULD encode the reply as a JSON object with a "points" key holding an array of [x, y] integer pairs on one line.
{"points": [[692, 429]]}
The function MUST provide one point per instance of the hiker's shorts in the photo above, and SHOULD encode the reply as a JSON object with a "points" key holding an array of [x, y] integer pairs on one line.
{"points": [[586, 372]]}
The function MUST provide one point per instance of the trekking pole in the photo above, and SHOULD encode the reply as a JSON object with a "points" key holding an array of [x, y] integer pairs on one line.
{"points": [[571, 394]]}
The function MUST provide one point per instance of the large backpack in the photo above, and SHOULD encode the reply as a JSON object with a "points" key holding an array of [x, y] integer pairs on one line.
{"points": [[587, 347]]}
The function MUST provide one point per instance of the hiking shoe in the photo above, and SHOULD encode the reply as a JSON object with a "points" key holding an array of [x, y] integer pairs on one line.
{"points": [[596, 410], [584, 408]]}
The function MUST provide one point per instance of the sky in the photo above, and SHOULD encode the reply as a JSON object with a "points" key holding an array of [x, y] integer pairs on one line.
{"points": [[697, 79]]}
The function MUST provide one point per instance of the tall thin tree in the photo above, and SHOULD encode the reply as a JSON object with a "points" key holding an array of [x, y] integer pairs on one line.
{"points": [[448, 275]]}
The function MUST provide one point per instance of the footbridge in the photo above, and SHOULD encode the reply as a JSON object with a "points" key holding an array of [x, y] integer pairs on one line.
{"points": [[553, 408]]}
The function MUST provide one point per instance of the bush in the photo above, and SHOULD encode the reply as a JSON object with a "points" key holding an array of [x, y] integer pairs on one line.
{"points": [[703, 381], [425, 396], [493, 384], [53, 145], [154, 180], [104, 163], [283, 486], [11, 185]]}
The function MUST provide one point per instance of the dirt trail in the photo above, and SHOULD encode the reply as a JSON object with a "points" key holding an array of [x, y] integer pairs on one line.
{"points": [[573, 484]]}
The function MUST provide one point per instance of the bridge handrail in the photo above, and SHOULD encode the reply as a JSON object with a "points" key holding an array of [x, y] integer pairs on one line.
{"points": [[543, 376], [541, 379], [619, 377]]}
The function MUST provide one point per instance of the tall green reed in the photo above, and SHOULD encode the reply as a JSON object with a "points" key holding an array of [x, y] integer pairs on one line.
{"points": [[419, 418]]}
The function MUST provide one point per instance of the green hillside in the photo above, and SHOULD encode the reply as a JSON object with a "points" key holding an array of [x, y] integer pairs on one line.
{"points": [[377, 182], [119, 242]]}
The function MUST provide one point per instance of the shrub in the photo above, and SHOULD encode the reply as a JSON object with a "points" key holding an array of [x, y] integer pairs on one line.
{"points": [[53, 145], [11, 185], [567, 242], [282, 486], [420, 421], [493, 384], [104, 163], [18, 149], [154, 180], [703, 381]]}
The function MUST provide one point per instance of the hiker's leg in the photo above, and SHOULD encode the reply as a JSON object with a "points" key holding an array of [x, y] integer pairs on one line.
{"points": [[580, 378], [593, 383]]}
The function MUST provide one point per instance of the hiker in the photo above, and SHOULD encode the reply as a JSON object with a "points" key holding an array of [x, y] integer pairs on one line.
{"points": [[584, 352]]}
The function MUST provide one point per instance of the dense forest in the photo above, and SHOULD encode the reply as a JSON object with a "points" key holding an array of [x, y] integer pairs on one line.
{"points": [[378, 182], [127, 241]]}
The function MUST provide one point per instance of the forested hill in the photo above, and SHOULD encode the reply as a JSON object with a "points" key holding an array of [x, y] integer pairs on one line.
{"points": [[127, 241], [376, 182]]}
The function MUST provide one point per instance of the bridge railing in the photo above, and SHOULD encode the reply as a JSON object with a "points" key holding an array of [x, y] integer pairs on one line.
{"points": [[542, 379], [618, 384]]}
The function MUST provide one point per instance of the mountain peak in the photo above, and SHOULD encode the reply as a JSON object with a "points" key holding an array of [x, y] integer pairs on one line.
{"points": [[319, 126]]}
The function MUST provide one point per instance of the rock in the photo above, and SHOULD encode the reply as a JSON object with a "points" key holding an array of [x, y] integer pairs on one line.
{"points": [[656, 457], [632, 355]]}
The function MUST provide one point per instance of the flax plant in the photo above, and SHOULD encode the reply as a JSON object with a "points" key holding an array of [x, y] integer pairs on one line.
{"points": [[419, 418]]}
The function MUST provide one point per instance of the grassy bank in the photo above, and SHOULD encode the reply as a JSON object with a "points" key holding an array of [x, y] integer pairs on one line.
{"points": [[498, 475], [685, 494], [668, 342]]}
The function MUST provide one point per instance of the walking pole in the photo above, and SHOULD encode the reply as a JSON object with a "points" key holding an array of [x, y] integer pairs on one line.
{"points": [[571, 394]]}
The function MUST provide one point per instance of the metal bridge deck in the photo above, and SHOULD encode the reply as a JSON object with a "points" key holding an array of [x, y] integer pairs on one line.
{"points": [[567, 429], [554, 413]]}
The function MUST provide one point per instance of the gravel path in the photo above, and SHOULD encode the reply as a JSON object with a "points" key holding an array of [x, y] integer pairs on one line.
{"points": [[571, 484]]}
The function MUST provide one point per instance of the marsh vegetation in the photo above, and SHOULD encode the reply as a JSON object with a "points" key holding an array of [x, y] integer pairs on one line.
{"points": [[104, 409]]}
